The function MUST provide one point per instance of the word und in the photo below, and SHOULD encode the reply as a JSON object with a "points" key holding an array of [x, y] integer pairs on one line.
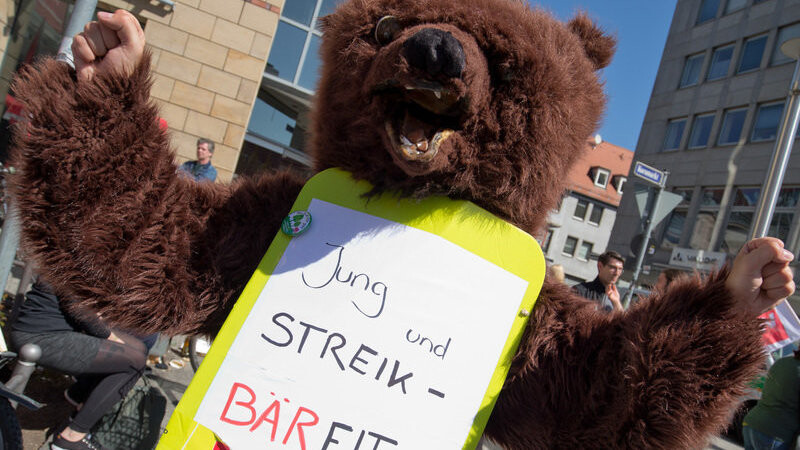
{"points": [[377, 288], [431, 348]]}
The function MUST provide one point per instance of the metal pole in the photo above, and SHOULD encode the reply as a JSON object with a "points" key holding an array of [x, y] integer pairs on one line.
{"points": [[9, 241], [26, 364], [645, 241], [81, 15], [780, 160]]}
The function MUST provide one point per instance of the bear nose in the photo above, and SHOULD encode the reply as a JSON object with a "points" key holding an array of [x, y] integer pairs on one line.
{"points": [[435, 51]]}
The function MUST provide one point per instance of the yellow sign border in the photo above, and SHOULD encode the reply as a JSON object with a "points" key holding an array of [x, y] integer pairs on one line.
{"points": [[460, 222]]}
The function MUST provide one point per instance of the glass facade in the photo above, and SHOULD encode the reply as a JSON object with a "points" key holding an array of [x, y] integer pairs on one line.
{"points": [[294, 57], [278, 123]]}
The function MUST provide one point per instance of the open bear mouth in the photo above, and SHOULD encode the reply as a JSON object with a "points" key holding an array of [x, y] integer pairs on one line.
{"points": [[420, 117]]}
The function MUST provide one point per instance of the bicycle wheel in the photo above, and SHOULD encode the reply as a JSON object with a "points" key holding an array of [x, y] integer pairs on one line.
{"points": [[10, 432], [198, 347]]}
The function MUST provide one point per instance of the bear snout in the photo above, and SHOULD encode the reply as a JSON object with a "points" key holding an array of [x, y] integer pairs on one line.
{"points": [[435, 52]]}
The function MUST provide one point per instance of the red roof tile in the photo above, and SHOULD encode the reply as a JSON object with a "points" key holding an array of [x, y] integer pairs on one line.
{"points": [[608, 156]]}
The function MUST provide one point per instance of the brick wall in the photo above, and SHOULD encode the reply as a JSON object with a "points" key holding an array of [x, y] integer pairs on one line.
{"points": [[208, 59]]}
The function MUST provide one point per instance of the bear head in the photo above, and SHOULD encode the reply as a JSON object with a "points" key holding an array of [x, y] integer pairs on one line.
{"points": [[481, 100]]}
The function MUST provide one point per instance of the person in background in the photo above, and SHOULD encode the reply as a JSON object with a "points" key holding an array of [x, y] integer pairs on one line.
{"points": [[775, 421], [666, 277], [201, 169], [603, 289], [557, 272], [107, 362]]}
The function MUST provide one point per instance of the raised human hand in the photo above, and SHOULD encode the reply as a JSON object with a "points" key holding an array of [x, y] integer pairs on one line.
{"points": [[760, 276], [112, 44], [613, 296]]}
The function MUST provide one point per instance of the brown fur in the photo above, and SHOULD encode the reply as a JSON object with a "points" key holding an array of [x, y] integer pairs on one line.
{"points": [[534, 97], [111, 225]]}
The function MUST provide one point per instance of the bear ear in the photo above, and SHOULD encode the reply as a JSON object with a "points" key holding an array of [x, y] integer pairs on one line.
{"points": [[599, 47]]}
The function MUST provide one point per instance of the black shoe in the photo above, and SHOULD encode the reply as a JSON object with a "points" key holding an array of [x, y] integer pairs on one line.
{"points": [[87, 443]]}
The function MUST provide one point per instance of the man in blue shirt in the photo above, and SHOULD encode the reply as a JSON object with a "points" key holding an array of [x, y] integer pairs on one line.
{"points": [[201, 169]]}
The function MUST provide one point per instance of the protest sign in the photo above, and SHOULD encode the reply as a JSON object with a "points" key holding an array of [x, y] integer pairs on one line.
{"points": [[387, 323]]}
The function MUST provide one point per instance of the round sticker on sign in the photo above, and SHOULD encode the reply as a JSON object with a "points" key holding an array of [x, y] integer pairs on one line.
{"points": [[296, 223]]}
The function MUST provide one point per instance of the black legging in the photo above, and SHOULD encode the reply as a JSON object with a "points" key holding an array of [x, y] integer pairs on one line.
{"points": [[116, 367]]}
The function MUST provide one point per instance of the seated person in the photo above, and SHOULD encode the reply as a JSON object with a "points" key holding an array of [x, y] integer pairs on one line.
{"points": [[107, 362]]}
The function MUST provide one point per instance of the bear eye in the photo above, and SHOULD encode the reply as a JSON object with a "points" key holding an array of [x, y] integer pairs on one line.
{"points": [[386, 29], [503, 73]]}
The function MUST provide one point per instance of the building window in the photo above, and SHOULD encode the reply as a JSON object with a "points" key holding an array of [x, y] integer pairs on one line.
{"points": [[784, 34], [672, 140], [548, 239], [734, 5], [268, 122], [619, 182], [691, 70], [708, 10], [743, 211], [732, 124], [677, 219], [601, 177], [584, 251], [752, 54], [596, 215], [569, 246], [294, 55], [701, 130], [710, 201], [580, 209], [720, 61], [767, 119]]}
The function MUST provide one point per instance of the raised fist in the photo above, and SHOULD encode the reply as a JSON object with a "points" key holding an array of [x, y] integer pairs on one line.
{"points": [[113, 44], [760, 276]]}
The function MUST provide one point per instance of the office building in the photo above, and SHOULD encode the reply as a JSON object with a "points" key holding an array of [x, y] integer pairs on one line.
{"points": [[712, 123]]}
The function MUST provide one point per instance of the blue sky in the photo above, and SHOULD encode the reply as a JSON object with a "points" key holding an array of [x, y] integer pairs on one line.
{"points": [[641, 29]]}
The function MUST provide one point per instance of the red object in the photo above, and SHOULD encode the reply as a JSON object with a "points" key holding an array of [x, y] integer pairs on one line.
{"points": [[774, 331], [220, 446], [13, 111]]}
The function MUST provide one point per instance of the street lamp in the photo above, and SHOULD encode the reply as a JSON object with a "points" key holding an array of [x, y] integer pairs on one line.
{"points": [[783, 147]]}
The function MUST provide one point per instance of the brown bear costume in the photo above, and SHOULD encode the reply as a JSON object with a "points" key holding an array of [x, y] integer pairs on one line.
{"points": [[482, 100]]}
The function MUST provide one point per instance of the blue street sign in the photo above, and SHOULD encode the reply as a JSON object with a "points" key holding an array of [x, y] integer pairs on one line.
{"points": [[648, 173]]}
